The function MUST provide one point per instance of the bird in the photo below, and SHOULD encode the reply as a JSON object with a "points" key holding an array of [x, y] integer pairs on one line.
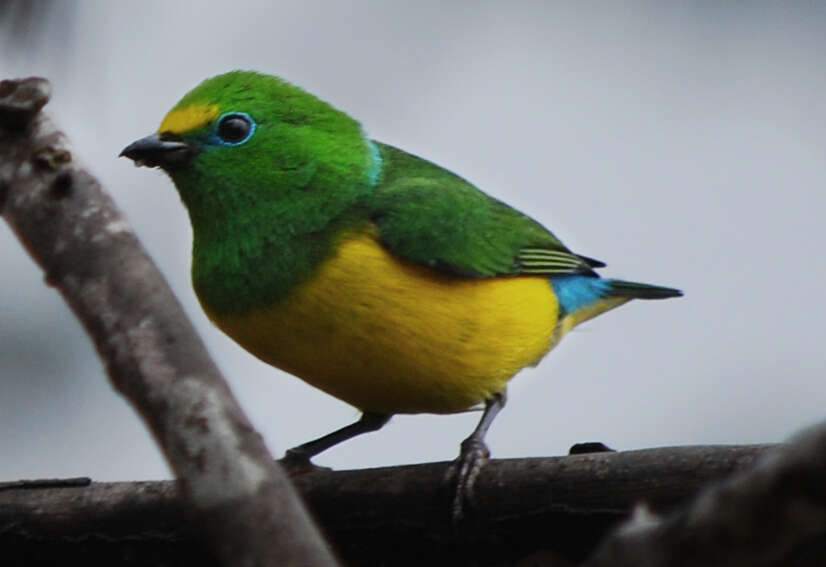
{"points": [[377, 276]]}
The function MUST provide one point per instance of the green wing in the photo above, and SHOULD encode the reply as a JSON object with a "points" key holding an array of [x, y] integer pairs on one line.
{"points": [[430, 216]]}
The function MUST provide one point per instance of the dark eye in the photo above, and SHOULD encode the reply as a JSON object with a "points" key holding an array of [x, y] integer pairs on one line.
{"points": [[234, 129]]}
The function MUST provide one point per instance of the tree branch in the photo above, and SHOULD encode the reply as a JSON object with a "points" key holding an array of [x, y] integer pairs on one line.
{"points": [[240, 498], [771, 514], [401, 515]]}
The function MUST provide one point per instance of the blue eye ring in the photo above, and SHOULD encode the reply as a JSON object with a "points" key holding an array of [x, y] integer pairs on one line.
{"points": [[234, 128]]}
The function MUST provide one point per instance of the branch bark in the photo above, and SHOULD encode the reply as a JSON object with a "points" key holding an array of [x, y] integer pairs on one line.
{"points": [[240, 498], [524, 508], [772, 514]]}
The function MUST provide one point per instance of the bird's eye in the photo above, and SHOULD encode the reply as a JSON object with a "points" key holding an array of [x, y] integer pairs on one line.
{"points": [[235, 128]]}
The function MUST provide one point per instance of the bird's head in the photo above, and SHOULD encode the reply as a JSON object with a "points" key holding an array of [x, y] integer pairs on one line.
{"points": [[245, 135]]}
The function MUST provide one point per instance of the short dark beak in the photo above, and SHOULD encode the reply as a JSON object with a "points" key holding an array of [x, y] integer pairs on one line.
{"points": [[153, 151]]}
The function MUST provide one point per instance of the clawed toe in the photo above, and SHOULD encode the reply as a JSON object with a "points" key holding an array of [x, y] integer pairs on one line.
{"points": [[298, 463], [462, 474]]}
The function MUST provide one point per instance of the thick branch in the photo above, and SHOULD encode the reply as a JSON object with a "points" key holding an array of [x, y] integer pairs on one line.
{"points": [[766, 515], [401, 515], [240, 498]]}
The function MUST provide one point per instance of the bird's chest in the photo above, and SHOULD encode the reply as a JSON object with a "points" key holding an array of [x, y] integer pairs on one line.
{"points": [[389, 336]]}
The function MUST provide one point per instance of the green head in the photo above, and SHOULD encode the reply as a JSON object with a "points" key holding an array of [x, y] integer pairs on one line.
{"points": [[244, 139], [263, 168]]}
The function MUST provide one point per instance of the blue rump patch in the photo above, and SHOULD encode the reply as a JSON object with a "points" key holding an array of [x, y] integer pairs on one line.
{"points": [[576, 292]]}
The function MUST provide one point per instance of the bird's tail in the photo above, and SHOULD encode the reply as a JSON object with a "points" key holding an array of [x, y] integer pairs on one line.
{"points": [[584, 297], [634, 290]]}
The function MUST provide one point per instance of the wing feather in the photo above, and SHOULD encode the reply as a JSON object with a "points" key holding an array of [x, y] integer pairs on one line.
{"points": [[431, 216]]}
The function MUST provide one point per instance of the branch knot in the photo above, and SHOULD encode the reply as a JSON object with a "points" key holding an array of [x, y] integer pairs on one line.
{"points": [[21, 100]]}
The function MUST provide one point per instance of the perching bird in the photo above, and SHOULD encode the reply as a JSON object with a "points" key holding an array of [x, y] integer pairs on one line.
{"points": [[372, 274]]}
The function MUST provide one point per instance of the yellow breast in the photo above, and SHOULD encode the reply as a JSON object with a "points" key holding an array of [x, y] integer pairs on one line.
{"points": [[389, 336]]}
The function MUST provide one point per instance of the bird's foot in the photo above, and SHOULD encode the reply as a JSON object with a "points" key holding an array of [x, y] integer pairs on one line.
{"points": [[462, 475], [298, 463]]}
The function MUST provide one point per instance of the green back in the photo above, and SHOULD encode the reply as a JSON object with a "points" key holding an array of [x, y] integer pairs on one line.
{"points": [[431, 216]]}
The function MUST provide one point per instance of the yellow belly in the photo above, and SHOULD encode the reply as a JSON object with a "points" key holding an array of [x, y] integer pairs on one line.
{"points": [[389, 336]]}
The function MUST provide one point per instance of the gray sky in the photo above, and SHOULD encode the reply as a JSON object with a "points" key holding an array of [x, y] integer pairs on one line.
{"points": [[682, 143]]}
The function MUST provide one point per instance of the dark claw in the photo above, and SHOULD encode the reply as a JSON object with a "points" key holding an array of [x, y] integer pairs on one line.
{"points": [[472, 457], [462, 475], [298, 463]]}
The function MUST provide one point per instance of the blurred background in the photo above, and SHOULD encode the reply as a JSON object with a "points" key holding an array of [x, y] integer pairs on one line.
{"points": [[681, 142]]}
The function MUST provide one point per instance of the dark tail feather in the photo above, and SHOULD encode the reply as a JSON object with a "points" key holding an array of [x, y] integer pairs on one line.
{"points": [[635, 290], [591, 262]]}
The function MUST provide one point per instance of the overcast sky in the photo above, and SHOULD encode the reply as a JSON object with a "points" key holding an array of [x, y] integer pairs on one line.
{"points": [[683, 143]]}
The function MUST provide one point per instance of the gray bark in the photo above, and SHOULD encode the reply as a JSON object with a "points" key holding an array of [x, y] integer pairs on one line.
{"points": [[773, 513], [525, 509], [241, 500]]}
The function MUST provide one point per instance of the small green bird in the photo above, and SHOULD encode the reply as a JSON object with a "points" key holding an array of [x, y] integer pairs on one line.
{"points": [[372, 274]]}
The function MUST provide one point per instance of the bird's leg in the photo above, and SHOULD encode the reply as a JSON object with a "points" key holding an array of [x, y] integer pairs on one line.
{"points": [[297, 459], [472, 457]]}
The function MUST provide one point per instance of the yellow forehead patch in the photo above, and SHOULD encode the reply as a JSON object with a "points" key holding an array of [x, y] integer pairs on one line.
{"points": [[182, 120]]}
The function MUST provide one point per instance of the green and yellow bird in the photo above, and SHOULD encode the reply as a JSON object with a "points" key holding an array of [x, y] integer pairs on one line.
{"points": [[372, 274]]}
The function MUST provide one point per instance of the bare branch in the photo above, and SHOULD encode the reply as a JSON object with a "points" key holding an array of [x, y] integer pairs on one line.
{"points": [[560, 506], [241, 499], [762, 516]]}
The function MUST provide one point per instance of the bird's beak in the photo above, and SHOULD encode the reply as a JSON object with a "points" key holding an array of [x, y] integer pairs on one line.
{"points": [[154, 151]]}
